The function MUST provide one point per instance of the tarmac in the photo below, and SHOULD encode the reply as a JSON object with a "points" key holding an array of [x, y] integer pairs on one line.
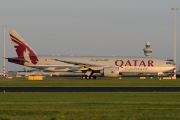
{"points": [[89, 89]]}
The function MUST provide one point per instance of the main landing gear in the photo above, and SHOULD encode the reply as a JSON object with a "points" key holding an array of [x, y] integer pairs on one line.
{"points": [[89, 77]]}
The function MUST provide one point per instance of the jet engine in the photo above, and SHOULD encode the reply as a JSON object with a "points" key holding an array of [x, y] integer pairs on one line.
{"points": [[110, 71]]}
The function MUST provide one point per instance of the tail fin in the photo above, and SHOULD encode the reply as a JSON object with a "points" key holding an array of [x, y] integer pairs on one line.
{"points": [[23, 50]]}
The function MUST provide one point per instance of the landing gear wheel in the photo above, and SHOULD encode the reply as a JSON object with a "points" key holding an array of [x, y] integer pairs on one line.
{"points": [[88, 77]]}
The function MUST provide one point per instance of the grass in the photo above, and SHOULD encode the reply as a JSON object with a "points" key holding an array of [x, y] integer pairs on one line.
{"points": [[66, 81], [90, 106]]}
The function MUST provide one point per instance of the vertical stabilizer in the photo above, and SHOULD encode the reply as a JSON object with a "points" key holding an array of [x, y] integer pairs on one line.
{"points": [[23, 50]]}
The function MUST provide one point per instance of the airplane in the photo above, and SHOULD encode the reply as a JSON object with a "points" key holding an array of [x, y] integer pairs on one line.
{"points": [[108, 66]]}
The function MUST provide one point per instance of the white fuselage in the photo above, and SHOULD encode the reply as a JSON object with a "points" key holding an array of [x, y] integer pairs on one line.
{"points": [[125, 64]]}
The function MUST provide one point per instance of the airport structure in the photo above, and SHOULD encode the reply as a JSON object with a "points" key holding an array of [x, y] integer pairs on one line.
{"points": [[147, 50], [174, 11], [4, 67]]}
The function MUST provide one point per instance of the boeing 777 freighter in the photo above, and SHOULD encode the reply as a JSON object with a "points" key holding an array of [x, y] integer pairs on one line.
{"points": [[107, 66]]}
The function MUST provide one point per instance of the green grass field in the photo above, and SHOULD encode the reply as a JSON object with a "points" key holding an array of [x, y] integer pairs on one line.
{"points": [[90, 106], [87, 105], [68, 81]]}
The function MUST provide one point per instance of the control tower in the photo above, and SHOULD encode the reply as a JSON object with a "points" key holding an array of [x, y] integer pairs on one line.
{"points": [[147, 50]]}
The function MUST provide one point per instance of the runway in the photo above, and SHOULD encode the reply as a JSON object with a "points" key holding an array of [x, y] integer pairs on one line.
{"points": [[89, 89]]}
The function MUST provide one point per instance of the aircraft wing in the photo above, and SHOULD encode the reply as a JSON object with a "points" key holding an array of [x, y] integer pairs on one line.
{"points": [[81, 64]]}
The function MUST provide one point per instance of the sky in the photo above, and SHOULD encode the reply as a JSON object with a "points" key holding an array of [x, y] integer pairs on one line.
{"points": [[91, 27]]}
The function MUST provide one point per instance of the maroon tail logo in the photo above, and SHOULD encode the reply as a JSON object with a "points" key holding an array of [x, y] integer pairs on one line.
{"points": [[22, 50]]}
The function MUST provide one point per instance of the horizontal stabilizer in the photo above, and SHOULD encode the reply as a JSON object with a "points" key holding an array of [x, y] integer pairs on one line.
{"points": [[16, 59]]}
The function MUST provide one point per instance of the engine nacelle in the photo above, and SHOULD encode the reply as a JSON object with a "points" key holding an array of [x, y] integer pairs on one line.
{"points": [[110, 71]]}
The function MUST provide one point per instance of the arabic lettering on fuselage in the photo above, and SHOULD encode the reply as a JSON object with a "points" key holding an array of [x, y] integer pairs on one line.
{"points": [[135, 68], [98, 59]]}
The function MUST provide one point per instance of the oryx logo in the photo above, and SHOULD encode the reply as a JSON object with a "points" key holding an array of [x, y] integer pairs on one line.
{"points": [[23, 50], [112, 71]]}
